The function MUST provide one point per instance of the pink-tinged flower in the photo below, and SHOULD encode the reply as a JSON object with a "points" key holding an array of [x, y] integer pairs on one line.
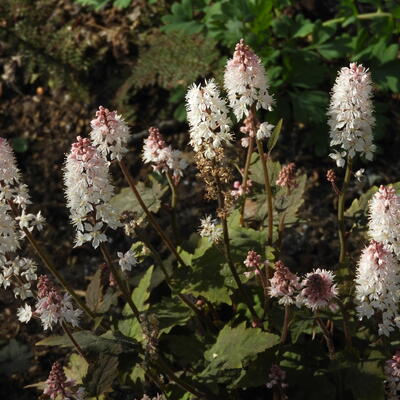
{"points": [[384, 218], [246, 82], [52, 307], [89, 191], [351, 114], [238, 189], [287, 176], [276, 378], [378, 286], [253, 263], [284, 284], [208, 119], [318, 290], [162, 157], [58, 387], [392, 372], [110, 134]]}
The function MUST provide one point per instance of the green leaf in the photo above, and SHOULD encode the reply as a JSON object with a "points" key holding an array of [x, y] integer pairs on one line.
{"points": [[101, 375], [122, 3], [151, 195], [130, 326], [275, 135], [94, 291], [359, 206], [77, 368], [234, 346], [170, 313], [108, 343]]}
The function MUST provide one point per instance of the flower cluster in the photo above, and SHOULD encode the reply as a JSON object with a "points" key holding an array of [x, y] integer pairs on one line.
{"points": [[209, 229], [246, 82], [88, 191], [238, 189], [392, 372], [57, 385], [19, 273], [318, 290], [51, 307], [384, 218], [208, 119], [287, 176], [13, 193], [127, 261], [162, 157], [351, 114], [253, 263], [284, 284], [110, 134], [378, 286], [276, 378]]}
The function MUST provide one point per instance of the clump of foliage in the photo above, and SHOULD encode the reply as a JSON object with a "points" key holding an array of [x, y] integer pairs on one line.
{"points": [[173, 60]]}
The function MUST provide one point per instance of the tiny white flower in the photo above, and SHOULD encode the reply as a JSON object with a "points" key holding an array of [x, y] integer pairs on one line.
{"points": [[25, 313]]}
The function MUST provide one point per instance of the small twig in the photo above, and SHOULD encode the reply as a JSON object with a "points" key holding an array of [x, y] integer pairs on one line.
{"points": [[328, 338]]}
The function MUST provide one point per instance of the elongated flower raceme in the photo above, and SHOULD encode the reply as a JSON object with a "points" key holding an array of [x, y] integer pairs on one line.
{"points": [[52, 307], [57, 386], [208, 119], [110, 134], [246, 82], [162, 157], [284, 284], [318, 290], [88, 191], [392, 372], [13, 191], [384, 218], [351, 114], [378, 286], [209, 132]]}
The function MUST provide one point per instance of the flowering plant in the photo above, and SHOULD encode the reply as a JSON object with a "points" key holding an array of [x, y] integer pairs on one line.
{"points": [[218, 308]]}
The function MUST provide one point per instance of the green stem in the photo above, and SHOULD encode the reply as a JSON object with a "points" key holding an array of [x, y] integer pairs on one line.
{"points": [[245, 178], [377, 14], [268, 191], [125, 291], [228, 256], [174, 200], [152, 220], [50, 266], [341, 200]]}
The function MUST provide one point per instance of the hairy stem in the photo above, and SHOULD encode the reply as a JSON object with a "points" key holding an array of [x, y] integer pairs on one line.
{"points": [[174, 200], [152, 220], [121, 284], [228, 256], [341, 200], [372, 15], [74, 342], [245, 178], [268, 191], [285, 328], [328, 338]]}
